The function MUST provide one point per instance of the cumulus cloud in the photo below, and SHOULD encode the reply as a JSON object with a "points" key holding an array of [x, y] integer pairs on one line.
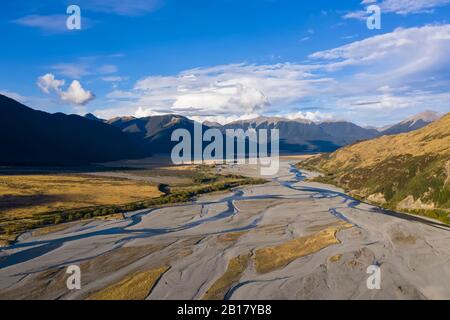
{"points": [[75, 93], [238, 89], [48, 82], [223, 92], [222, 96]]}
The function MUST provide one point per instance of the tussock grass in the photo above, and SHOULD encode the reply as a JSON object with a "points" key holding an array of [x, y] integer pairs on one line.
{"points": [[231, 237], [135, 287], [34, 194], [236, 267], [272, 258], [336, 258]]}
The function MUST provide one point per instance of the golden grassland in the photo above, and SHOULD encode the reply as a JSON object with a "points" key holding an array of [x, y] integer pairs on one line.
{"points": [[135, 287], [34, 194], [272, 258], [236, 267], [24, 198]]}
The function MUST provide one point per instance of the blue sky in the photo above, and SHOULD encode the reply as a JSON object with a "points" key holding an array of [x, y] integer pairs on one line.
{"points": [[224, 60]]}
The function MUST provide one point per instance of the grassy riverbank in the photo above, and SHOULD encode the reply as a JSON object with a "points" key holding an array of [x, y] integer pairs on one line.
{"points": [[33, 201]]}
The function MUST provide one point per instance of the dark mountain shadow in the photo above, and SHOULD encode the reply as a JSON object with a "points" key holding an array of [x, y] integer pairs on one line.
{"points": [[37, 138]]}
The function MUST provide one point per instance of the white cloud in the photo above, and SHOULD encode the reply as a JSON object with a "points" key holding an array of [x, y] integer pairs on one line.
{"points": [[228, 89], [401, 7], [394, 102], [223, 96], [224, 119], [48, 82], [121, 94], [358, 15], [397, 73], [411, 6], [56, 23], [82, 68], [52, 23], [381, 109], [395, 55], [71, 70], [114, 79], [107, 69], [315, 116], [75, 94]]}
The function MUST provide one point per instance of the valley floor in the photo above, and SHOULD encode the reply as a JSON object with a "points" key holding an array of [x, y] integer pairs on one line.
{"points": [[287, 239]]}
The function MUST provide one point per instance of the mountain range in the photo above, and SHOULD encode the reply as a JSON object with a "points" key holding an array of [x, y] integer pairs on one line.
{"points": [[38, 138], [296, 136], [306, 136]]}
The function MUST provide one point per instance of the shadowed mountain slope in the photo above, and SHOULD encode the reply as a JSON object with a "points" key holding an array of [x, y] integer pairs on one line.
{"points": [[409, 171], [30, 137], [154, 133]]}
